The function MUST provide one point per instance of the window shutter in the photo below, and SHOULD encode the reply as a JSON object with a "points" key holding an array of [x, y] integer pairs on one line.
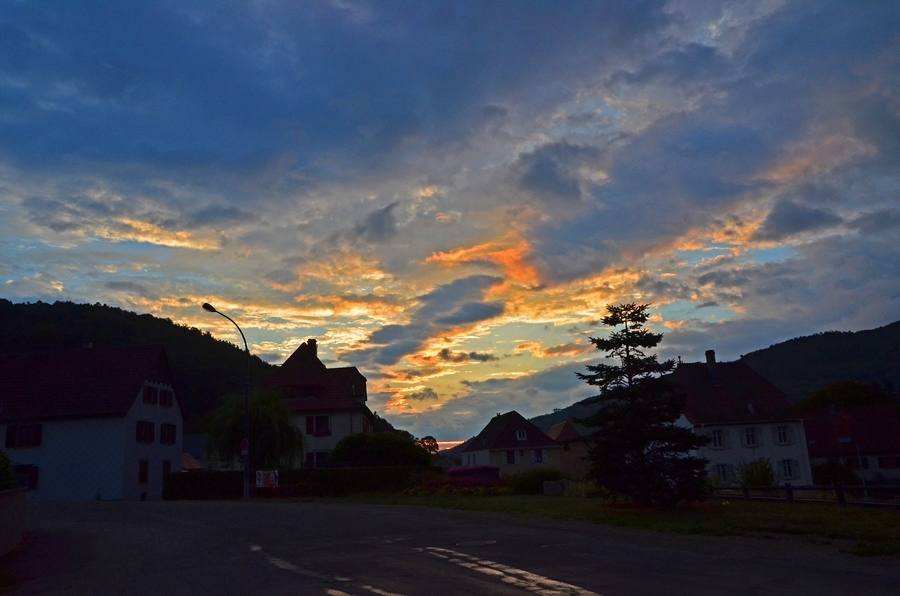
{"points": [[775, 435], [759, 436], [310, 421], [730, 472], [726, 438], [533, 456], [543, 455], [795, 466]]}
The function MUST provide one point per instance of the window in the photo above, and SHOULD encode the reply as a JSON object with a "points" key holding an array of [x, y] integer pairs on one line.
{"points": [[510, 457], [145, 432], [23, 435], [26, 476], [166, 398], [789, 469], [723, 472], [717, 441], [888, 462], [151, 394], [166, 434], [143, 471], [318, 426], [317, 459], [538, 455], [521, 435], [751, 437], [783, 435]]}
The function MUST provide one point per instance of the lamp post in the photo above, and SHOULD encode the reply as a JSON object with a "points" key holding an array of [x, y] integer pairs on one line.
{"points": [[245, 443]]}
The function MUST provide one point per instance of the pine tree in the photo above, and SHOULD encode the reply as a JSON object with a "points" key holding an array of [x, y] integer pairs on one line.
{"points": [[637, 450]]}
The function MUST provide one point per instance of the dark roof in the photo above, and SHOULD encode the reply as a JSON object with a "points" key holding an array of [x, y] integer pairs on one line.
{"points": [[86, 383], [304, 375], [875, 429], [500, 433], [564, 432], [729, 393], [306, 405]]}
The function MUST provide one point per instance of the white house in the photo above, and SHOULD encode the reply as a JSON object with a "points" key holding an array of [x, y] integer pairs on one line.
{"points": [[746, 419], [95, 423], [328, 403]]}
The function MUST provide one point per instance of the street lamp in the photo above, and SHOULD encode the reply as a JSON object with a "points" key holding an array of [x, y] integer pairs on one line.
{"points": [[245, 443]]}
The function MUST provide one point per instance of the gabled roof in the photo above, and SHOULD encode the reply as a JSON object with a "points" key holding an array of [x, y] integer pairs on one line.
{"points": [[500, 433], [874, 429], [564, 432], [86, 383], [304, 375], [729, 393]]}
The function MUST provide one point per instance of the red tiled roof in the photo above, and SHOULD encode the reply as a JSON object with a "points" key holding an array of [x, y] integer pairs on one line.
{"points": [[729, 393], [875, 429], [500, 433], [304, 405], [564, 432], [303, 375], [87, 383]]}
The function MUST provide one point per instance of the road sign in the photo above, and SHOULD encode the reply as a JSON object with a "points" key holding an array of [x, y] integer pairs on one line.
{"points": [[245, 446], [266, 478]]}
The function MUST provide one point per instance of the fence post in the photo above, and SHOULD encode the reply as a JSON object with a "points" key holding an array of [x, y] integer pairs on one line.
{"points": [[746, 492], [789, 492], [839, 494]]}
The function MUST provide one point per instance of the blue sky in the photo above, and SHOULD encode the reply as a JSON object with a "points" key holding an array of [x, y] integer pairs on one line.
{"points": [[447, 195]]}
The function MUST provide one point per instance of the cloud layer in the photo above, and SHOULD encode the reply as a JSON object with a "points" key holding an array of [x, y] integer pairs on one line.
{"points": [[447, 194]]}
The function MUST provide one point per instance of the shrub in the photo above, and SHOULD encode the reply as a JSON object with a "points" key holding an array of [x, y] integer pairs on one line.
{"points": [[532, 481], [7, 475], [480, 471], [377, 450], [832, 472], [756, 473]]}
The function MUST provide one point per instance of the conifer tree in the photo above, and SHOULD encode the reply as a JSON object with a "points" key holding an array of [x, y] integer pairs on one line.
{"points": [[636, 449]]}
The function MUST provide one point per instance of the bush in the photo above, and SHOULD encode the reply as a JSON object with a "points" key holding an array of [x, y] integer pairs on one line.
{"points": [[476, 485], [756, 473], [832, 472], [7, 474], [361, 450], [532, 481], [481, 471]]}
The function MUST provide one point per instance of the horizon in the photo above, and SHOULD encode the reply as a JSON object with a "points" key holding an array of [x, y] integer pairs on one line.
{"points": [[445, 195]]}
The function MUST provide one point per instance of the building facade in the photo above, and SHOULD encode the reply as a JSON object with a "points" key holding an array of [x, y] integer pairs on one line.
{"points": [[514, 445], [746, 418], [96, 423]]}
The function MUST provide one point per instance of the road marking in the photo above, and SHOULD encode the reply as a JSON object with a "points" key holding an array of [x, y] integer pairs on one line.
{"points": [[380, 592], [544, 586]]}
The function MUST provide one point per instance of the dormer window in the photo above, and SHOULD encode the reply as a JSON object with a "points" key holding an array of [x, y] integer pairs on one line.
{"points": [[521, 435]]}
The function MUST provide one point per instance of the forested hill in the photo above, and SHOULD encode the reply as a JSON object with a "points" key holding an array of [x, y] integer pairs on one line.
{"points": [[205, 368], [802, 365]]}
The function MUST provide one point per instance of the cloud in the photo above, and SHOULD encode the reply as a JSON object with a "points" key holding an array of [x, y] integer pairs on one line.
{"points": [[457, 357], [379, 225], [426, 394], [788, 218]]}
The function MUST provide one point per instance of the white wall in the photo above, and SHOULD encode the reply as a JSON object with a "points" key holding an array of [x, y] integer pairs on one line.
{"points": [[77, 460], [154, 453], [735, 452], [342, 424]]}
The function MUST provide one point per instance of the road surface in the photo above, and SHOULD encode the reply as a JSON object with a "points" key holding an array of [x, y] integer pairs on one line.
{"points": [[336, 549]]}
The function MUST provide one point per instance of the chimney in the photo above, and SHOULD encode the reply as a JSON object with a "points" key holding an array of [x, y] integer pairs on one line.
{"points": [[312, 347], [711, 366]]}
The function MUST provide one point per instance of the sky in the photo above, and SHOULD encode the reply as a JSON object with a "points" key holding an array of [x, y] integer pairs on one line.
{"points": [[446, 195]]}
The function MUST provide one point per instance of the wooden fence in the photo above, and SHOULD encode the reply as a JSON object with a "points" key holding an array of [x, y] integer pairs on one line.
{"points": [[868, 496]]}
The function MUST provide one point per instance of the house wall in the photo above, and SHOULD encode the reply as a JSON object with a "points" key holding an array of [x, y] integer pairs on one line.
{"points": [[496, 458], [572, 462], [341, 424], [77, 460], [154, 453], [734, 452]]}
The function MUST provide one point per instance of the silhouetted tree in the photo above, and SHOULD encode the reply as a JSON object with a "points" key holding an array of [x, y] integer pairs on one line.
{"points": [[637, 450], [275, 441], [429, 444], [845, 394], [376, 450]]}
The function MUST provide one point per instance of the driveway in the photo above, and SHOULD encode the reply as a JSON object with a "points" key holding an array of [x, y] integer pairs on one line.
{"points": [[333, 549]]}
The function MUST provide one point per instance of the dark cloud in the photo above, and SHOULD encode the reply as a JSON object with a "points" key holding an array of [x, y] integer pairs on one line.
{"points": [[788, 218], [875, 222], [441, 309], [449, 356], [426, 394], [132, 288], [219, 216], [378, 226], [549, 172]]}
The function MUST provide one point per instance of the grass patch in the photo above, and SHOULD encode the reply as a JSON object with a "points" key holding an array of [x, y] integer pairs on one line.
{"points": [[865, 532]]}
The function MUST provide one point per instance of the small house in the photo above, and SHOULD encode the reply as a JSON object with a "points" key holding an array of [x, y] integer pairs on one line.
{"points": [[513, 444]]}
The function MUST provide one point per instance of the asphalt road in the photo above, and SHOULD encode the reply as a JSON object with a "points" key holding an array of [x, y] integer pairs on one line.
{"points": [[271, 548]]}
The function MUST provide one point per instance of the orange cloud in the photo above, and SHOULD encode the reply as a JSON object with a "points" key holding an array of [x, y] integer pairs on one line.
{"points": [[510, 254]]}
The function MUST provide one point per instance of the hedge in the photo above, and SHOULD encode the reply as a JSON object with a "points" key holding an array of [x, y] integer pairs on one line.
{"points": [[304, 482]]}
